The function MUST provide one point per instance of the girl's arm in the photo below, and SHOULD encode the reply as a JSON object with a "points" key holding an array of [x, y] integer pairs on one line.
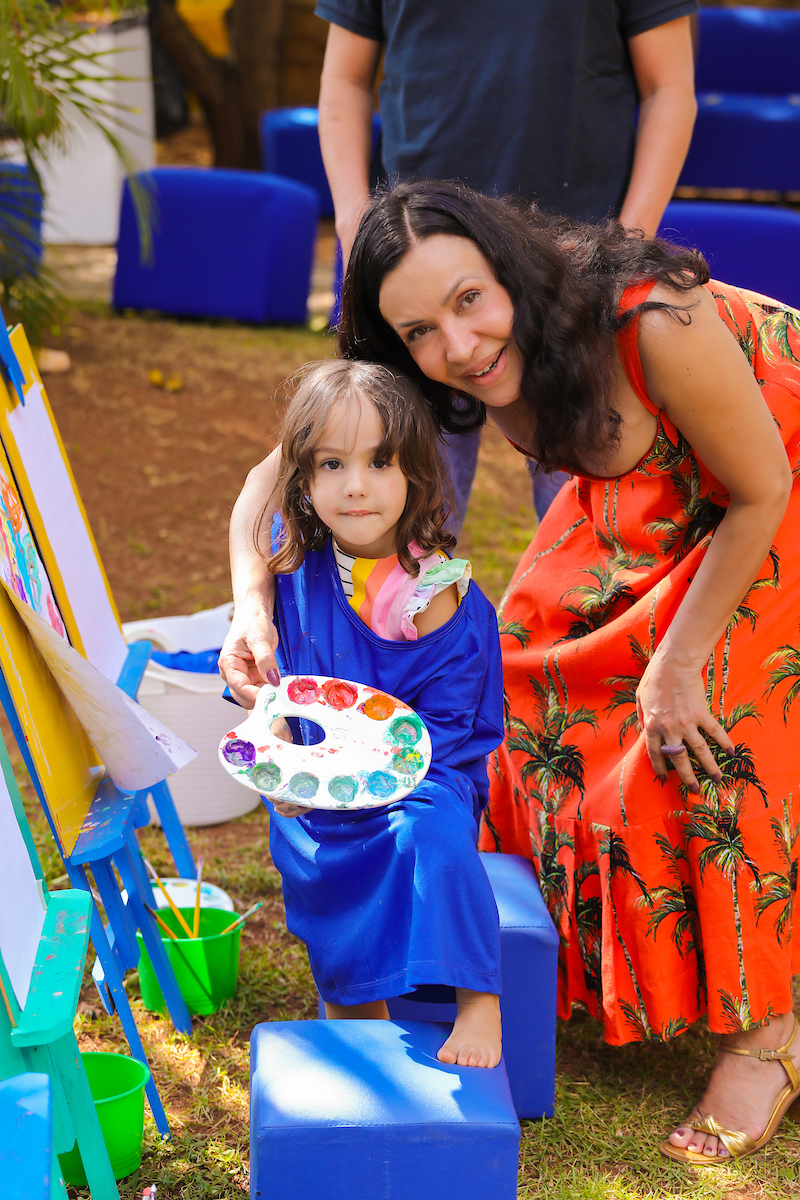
{"points": [[248, 654], [701, 379], [441, 608]]}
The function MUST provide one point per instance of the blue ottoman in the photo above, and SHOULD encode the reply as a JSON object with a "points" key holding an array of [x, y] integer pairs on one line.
{"points": [[28, 1166], [529, 967], [755, 246], [356, 1110], [290, 148], [235, 244]]}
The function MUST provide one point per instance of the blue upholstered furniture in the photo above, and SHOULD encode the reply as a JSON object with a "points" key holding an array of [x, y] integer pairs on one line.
{"points": [[28, 1166], [290, 148], [363, 1109], [747, 133], [754, 246], [236, 244], [528, 965], [20, 219]]}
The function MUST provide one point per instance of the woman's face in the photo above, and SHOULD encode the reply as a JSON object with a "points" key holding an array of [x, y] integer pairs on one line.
{"points": [[445, 304]]}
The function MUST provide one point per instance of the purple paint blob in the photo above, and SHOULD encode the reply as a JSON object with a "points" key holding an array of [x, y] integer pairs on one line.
{"points": [[239, 753]]}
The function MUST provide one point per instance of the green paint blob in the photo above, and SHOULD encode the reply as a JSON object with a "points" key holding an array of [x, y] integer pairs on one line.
{"points": [[404, 731], [343, 788], [380, 783], [407, 762], [304, 785], [266, 775]]}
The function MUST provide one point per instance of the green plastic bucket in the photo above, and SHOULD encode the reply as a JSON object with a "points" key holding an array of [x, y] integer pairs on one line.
{"points": [[117, 1084], [206, 967]]}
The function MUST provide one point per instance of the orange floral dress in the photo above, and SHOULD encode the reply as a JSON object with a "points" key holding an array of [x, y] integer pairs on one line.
{"points": [[668, 905]]}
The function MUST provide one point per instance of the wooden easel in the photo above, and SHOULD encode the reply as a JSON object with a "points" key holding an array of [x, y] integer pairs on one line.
{"points": [[36, 1033]]}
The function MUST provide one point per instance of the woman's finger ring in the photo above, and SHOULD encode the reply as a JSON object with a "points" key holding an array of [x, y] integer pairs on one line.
{"points": [[670, 750]]}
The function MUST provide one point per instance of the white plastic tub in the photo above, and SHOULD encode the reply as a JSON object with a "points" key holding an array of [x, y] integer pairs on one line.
{"points": [[191, 705]]}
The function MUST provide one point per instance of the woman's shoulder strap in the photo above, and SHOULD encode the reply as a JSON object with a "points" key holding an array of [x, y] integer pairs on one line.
{"points": [[628, 341]]}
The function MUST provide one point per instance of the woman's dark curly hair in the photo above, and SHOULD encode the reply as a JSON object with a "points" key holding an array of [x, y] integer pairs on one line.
{"points": [[565, 281], [409, 431]]}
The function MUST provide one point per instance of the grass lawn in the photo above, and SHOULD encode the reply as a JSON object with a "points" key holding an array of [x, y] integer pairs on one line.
{"points": [[158, 471]]}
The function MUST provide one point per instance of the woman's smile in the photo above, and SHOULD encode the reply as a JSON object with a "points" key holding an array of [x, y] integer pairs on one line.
{"points": [[455, 319]]}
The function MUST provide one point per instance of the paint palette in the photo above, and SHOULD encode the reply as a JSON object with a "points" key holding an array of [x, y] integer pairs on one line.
{"points": [[375, 749]]}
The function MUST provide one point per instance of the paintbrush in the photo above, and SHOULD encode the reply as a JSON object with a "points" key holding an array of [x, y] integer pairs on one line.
{"points": [[162, 923], [196, 922], [178, 914], [240, 920]]}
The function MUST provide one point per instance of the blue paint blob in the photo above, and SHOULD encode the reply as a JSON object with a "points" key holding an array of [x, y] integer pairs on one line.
{"points": [[380, 783], [343, 788], [304, 785], [404, 731], [266, 775], [407, 762], [239, 753]]}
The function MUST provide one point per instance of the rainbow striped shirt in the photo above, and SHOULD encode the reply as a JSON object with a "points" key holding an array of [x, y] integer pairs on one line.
{"points": [[386, 598]]}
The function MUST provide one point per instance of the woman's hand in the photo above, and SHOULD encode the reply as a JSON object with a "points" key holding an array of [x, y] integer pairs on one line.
{"points": [[247, 658], [672, 709]]}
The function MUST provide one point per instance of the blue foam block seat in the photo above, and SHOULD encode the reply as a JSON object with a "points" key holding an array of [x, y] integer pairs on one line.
{"points": [[744, 141], [755, 246], [236, 244], [528, 968], [363, 1109], [290, 148], [26, 1138], [748, 50]]}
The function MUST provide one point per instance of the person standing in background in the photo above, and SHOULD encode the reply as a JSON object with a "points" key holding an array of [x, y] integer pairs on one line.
{"points": [[535, 98]]}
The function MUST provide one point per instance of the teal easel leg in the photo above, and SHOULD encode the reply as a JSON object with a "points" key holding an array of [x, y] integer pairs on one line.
{"points": [[91, 1144]]}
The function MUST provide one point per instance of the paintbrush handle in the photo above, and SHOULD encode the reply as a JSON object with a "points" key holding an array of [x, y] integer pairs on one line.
{"points": [[196, 921], [163, 924], [179, 915], [240, 920]]}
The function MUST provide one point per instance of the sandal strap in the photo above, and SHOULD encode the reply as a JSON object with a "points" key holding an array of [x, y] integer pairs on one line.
{"points": [[780, 1055], [737, 1144]]}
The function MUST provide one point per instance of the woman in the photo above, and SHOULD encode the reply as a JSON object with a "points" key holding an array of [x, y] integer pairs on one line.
{"points": [[648, 631]]}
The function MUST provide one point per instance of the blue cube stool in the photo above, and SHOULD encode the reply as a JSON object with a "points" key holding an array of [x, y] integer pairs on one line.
{"points": [[235, 244], [356, 1110], [528, 967], [28, 1164], [755, 246], [290, 148]]}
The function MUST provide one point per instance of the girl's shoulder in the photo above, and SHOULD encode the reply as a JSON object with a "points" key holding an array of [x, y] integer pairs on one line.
{"points": [[437, 574]]}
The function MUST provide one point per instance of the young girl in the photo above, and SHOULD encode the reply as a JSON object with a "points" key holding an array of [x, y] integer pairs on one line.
{"points": [[392, 899]]}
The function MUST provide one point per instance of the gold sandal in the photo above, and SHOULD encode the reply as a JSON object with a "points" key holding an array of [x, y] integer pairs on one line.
{"points": [[738, 1144]]}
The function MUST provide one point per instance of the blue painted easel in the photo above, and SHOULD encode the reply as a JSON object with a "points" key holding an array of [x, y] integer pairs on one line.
{"points": [[28, 1164]]}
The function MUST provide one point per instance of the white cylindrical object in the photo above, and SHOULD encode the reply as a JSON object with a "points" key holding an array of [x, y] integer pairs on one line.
{"points": [[191, 705]]}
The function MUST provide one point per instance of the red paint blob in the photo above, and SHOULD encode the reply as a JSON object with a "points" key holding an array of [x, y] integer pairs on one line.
{"points": [[302, 690], [233, 733], [340, 695]]}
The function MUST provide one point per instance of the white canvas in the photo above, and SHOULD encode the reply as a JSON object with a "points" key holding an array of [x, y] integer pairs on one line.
{"points": [[22, 907]]}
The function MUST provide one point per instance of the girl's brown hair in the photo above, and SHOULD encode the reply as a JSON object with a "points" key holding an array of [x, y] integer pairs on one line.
{"points": [[409, 431]]}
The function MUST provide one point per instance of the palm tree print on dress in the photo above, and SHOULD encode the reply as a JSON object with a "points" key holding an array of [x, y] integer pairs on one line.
{"points": [[678, 901], [626, 685], [612, 845], [716, 824], [777, 888], [551, 762], [788, 660], [598, 603], [588, 922], [699, 516]]}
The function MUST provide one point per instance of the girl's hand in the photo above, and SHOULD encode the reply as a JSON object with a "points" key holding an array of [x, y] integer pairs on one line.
{"points": [[290, 810], [672, 709], [247, 658]]}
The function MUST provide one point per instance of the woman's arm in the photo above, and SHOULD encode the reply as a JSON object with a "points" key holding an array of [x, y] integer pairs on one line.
{"points": [[663, 64], [346, 104], [701, 379], [248, 654]]}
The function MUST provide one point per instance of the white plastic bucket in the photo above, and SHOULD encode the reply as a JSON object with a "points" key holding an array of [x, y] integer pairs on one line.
{"points": [[191, 705]]}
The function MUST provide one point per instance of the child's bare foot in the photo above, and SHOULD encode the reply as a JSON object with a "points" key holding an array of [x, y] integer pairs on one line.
{"points": [[476, 1040], [375, 1010]]}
